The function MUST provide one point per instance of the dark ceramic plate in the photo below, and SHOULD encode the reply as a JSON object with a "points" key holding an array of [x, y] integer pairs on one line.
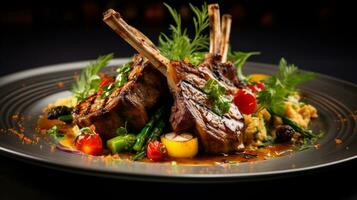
{"points": [[27, 92]]}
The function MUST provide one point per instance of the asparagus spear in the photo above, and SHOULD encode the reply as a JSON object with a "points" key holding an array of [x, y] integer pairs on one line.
{"points": [[140, 155], [143, 135], [121, 143], [155, 135], [295, 126]]}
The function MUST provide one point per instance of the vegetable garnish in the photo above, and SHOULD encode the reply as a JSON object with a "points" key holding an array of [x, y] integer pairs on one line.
{"points": [[309, 138], [122, 130], [239, 58], [156, 151], [88, 81], [104, 83], [143, 136], [154, 135], [121, 78], [280, 85], [89, 141], [121, 143], [62, 113], [183, 145], [55, 133], [245, 101], [178, 46], [257, 87], [220, 102]]}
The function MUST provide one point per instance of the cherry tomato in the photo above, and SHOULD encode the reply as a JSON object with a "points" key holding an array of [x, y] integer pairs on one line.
{"points": [[106, 80], [246, 101], [261, 86], [156, 151], [257, 87], [89, 143]]}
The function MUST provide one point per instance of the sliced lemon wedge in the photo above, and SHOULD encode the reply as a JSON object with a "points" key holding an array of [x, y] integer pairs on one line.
{"points": [[183, 145]]}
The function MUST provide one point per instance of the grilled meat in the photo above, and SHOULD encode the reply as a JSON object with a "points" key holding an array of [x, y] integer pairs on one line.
{"points": [[131, 103], [191, 111]]}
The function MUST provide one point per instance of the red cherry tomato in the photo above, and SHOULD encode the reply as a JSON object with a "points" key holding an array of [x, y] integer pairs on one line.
{"points": [[106, 80], [246, 101], [89, 143], [257, 87], [261, 86], [156, 151]]}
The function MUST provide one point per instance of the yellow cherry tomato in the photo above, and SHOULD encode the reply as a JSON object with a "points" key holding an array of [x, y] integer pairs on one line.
{"points": [[180, 145]]}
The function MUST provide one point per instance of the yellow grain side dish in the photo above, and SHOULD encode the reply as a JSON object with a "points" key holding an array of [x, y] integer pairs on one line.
{"points": [[256, 131]]}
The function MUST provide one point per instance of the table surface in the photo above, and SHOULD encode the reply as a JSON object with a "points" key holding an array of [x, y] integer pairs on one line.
{"points": [[329, 53]]}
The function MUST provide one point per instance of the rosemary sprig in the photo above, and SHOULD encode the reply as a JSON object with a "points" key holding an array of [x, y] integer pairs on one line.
{"points": [[178, 46]]}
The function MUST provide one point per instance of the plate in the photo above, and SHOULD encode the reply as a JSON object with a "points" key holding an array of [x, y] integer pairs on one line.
{"points": [[23, 95]]}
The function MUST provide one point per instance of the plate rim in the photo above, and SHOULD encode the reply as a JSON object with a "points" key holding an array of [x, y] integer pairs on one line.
{"points": [[8, 79]]}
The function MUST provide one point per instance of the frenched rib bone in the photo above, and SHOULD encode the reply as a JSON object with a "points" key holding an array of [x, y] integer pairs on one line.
{"points": [[226, 30], [136, 39], [215, 28]]}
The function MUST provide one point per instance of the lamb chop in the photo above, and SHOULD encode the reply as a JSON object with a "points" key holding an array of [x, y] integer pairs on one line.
{"points": [[192, 109], [128, 104]]}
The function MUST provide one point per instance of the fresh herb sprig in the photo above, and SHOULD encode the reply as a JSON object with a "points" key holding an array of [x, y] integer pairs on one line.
{"points": [[239, 58], [178, 46], [121, 78], [279, 86], [55, 133], [88, 81], [221, 102]]}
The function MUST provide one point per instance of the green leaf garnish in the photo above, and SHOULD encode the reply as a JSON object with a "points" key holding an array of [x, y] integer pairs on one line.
{"points": [[221, 102], [122, 130], [121, 78], [239, 58], [308, 143], [178, 46], [55, 133], [88, 81], [279, 86]]}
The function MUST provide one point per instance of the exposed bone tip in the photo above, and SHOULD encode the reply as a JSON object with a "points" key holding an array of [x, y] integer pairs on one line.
{"points": [[109, 13], [213, 6], [227, 16]]}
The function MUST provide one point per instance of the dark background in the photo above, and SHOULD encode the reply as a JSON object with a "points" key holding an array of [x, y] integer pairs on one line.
{"points": [[315, 35]]}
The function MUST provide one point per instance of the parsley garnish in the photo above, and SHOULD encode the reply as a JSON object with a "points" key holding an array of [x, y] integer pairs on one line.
{"points": [[121, 78], [178, 46], [221, 102], [88, 81], [279, 86], [308, 143], [55, 133]]}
